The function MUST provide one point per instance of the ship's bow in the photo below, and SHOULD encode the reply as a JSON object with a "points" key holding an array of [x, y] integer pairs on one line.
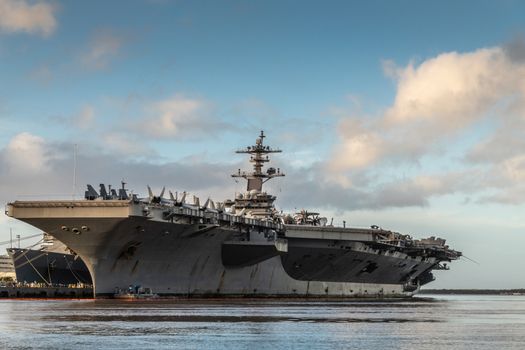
{"points": [[83, 226]]}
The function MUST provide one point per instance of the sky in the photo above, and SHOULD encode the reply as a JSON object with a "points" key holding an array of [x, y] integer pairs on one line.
{"points": [[409, 115]]}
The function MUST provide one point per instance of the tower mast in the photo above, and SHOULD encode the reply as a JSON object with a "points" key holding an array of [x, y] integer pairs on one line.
{"points": [[259, 155]]}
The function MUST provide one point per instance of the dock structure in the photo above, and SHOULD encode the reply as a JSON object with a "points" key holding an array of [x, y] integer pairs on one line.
{"points": [[14, 291]]}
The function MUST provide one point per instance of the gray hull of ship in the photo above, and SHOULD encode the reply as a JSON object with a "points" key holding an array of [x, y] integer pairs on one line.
{"points": [[187, 260]]}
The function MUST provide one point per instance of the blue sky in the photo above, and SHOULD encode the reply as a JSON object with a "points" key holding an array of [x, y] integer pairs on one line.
{"points": [[404, 114]]}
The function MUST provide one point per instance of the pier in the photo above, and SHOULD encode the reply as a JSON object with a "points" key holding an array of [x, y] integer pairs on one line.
{"points": [[18, 290]]}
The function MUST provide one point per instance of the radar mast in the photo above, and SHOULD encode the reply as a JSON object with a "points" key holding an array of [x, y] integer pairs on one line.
{"points": [[259, 155]]}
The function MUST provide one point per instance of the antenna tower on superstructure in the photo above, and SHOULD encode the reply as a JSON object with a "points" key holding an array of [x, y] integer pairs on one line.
{"points": [[259, 155]]}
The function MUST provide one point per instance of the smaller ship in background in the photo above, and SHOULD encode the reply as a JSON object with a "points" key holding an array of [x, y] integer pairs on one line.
{"points": [[51, 264]]}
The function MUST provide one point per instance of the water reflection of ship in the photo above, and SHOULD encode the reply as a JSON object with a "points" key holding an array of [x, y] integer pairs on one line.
{"points": [[50, 264]]}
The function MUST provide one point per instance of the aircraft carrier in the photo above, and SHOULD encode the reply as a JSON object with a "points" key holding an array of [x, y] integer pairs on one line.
{"points": [[235, 248]]}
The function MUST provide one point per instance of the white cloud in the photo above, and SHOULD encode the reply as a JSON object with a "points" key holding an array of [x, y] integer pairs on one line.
{"points": [[103, 48], [170, 115], [179, 116], [33, 18], [435, 101], [452, 89], [361, 145], [477, 96], [25, 153]]}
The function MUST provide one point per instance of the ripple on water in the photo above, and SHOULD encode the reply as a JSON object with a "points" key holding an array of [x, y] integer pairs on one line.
{"points": [[444, 322]]}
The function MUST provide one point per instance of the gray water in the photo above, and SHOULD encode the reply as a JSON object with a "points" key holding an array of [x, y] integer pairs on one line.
{"points": [[432, 322]]}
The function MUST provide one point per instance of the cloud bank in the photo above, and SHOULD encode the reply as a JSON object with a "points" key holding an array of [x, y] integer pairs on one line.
{"points": [[32, 167], [442, 104], [435, 101]]}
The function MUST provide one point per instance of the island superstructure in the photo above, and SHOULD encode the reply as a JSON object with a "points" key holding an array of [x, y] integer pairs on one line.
{"points": [[234, 248]]}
